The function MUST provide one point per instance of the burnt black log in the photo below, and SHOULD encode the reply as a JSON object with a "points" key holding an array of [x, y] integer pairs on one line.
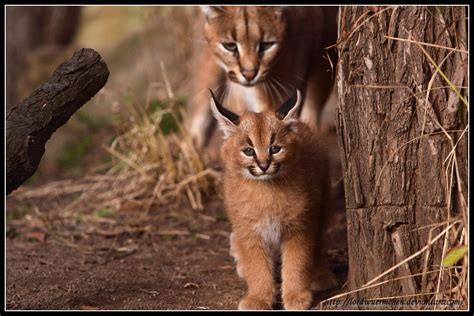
{"points": [[31, 123]]}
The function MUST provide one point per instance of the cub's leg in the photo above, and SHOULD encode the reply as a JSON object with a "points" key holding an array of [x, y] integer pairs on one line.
{"points": [[235, 253], [297, 260], [257, 270], [208, 76]]}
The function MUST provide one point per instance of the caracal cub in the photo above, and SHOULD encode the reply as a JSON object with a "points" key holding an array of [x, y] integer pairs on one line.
{"points": [[276, 189]]}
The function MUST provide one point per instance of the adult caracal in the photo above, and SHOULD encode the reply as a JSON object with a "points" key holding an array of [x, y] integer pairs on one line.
{"points": [[257, 56]]}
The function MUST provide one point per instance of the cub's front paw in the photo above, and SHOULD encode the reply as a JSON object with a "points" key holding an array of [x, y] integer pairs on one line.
{"points": [[249, 303], [297, 300]]}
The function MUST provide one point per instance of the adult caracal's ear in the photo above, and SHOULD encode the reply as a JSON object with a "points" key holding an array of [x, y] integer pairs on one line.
{"points": [[228, 120], [212, 11], [288, 111], [279, 9]]}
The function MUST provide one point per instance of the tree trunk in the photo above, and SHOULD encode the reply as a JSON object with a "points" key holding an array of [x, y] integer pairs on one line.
{"points": [[32, 122], [397, 122]]}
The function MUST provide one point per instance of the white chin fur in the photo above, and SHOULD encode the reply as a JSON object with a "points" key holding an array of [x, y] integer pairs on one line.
{"points": [[245, 83], [250, 176]]}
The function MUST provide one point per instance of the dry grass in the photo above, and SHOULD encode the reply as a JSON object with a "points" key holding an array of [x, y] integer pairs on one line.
{"points": [[153, 165], [154, 168], [149, 166]]}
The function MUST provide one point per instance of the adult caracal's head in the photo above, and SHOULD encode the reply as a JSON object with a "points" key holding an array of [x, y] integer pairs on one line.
{"points": [[246, 40], [261, 146]]}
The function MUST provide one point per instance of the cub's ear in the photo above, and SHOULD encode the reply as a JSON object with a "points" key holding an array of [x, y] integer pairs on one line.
{"points": [[288, 111], [212, 11], [227, 120]]}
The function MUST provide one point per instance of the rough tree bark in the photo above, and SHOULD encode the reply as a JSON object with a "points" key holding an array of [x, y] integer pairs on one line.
{"points": [[32, 122], [395, 181]]}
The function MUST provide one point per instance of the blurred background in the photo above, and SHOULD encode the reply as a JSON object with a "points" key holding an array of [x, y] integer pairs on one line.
{"points": [[139, 45]]}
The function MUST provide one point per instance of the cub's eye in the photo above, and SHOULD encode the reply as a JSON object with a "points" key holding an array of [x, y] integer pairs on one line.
{"points": [[274, 149], [249, 152], [263, 46], [231, 47]]}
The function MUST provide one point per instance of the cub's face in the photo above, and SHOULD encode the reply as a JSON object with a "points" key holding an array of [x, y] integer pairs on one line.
{"points": [[262, 147], [246, 40]]}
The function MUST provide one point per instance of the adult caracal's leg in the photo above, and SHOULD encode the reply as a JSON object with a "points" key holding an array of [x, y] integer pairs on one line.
{"points": [[210, 76]]}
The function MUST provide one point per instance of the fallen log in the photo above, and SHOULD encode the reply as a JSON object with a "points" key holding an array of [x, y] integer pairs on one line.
{"points": [[30, 123]]}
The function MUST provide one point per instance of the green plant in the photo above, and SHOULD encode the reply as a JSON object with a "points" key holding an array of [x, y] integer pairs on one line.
{"points": [[105, 213], [17, 213], [74, 152]]}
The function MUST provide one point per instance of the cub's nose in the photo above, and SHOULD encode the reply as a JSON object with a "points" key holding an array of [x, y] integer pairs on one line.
{"points": [[264, 166], [249, 74]]}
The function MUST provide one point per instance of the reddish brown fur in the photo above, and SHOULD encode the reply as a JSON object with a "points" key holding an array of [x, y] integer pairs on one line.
{"points": [[294, 201]]}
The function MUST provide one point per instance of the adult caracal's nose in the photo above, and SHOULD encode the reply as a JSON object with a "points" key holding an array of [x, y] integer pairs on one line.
{"points": [[249, 74]]}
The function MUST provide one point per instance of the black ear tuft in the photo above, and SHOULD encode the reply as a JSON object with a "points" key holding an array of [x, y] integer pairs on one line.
{"points": [[234, 118], [289, 104]]}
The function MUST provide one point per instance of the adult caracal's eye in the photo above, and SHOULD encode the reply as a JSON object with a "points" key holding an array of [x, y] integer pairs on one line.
{"points": [[231, 47], [263, 46], [249, 152]]}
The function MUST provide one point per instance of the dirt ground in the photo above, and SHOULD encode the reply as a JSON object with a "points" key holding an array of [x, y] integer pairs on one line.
{"points": [[181, 263], [172, 258]]}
